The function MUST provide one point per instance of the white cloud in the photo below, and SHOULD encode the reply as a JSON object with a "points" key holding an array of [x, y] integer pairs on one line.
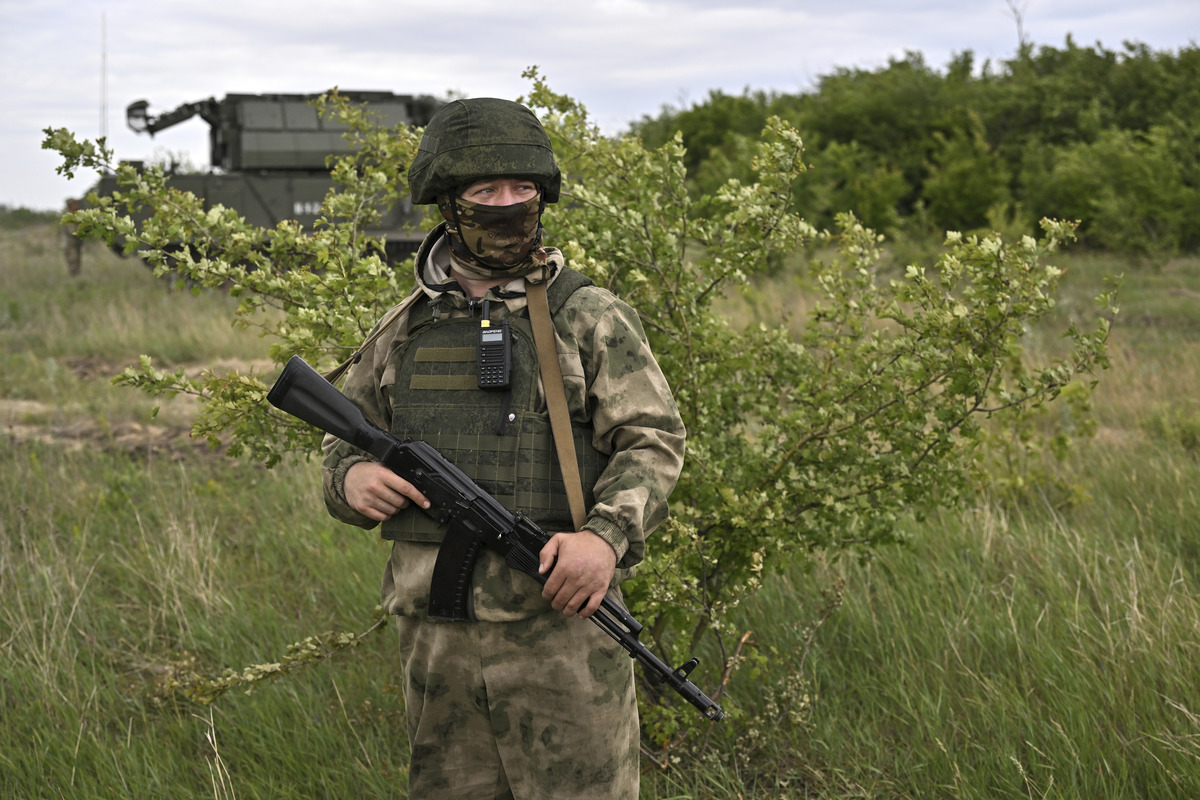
{"points": [[622, 58]]}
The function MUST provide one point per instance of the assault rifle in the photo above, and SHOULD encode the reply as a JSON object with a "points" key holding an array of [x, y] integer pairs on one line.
{"points": [[474, 518]]}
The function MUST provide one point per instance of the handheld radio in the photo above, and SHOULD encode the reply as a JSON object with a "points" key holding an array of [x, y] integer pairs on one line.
{"points": [[493, 354]]}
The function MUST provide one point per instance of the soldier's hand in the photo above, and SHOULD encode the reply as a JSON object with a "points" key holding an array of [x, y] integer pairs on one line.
{"points": [[581, 567], [375, 491]]}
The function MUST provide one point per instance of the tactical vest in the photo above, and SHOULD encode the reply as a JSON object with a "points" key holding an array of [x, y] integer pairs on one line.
{"points": [[500, 439]]}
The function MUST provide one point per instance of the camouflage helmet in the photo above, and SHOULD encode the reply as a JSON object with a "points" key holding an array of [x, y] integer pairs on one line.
{"points": [[484, 137]]}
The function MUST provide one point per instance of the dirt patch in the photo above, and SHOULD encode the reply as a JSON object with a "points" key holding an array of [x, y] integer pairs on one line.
{"points": [[90, 369], [97, 369], [13, 410], [126, 436], [70, 427], [1116, 437]]}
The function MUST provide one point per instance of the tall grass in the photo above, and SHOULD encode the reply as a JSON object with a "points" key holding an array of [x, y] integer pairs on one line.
{"points": [[114, 567], [65, 337], [1021, 648], [120, 561], [1017, 652]]}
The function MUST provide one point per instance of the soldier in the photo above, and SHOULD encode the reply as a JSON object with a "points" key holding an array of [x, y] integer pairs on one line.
{"points": [[528, 700]]}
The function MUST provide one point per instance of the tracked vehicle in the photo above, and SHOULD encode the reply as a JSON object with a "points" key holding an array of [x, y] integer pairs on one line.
{"points": [[268, 156]]}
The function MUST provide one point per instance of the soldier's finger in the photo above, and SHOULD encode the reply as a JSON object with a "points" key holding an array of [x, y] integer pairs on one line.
{"points": [[547, 556], [406, 489], [593, 603]]}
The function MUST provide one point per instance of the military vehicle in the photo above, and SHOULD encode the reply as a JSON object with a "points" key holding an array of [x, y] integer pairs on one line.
{"points": [[268, 156]]}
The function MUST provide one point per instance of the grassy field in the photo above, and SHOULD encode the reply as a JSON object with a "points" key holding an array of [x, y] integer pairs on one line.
{"points": [[1026, 647]]}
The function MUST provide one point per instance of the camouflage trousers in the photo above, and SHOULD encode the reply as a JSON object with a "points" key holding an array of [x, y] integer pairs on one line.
{"points": [[538, 708]]}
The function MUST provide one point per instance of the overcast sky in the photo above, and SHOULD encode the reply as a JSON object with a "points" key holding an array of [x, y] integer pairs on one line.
{"points": [[623, 59]]}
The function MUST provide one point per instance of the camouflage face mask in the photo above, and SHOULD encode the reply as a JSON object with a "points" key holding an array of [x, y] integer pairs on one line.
{"points": [[494, 241]]}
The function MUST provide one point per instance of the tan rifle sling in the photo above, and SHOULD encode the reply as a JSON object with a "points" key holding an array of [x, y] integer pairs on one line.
{"points": [[556, 398]]}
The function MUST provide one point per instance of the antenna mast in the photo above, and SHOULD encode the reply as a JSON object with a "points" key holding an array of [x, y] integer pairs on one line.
{"points": [[103, 75]]}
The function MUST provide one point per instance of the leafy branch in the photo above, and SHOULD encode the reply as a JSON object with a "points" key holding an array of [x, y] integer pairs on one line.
{"points": [[180, 676]]}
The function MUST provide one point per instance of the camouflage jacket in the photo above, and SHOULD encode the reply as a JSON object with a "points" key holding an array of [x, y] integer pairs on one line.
{"points": [[613, 385]]}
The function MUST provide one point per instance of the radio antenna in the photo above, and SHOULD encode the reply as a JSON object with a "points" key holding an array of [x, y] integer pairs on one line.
{"points": [[103, 74]]}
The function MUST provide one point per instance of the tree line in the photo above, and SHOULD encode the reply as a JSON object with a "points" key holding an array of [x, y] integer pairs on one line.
{"points": [[1108, 138]]}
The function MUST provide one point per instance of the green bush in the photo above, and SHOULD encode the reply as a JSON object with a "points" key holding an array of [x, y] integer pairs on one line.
{"points": [[1175, 425], [1128, 191]]}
